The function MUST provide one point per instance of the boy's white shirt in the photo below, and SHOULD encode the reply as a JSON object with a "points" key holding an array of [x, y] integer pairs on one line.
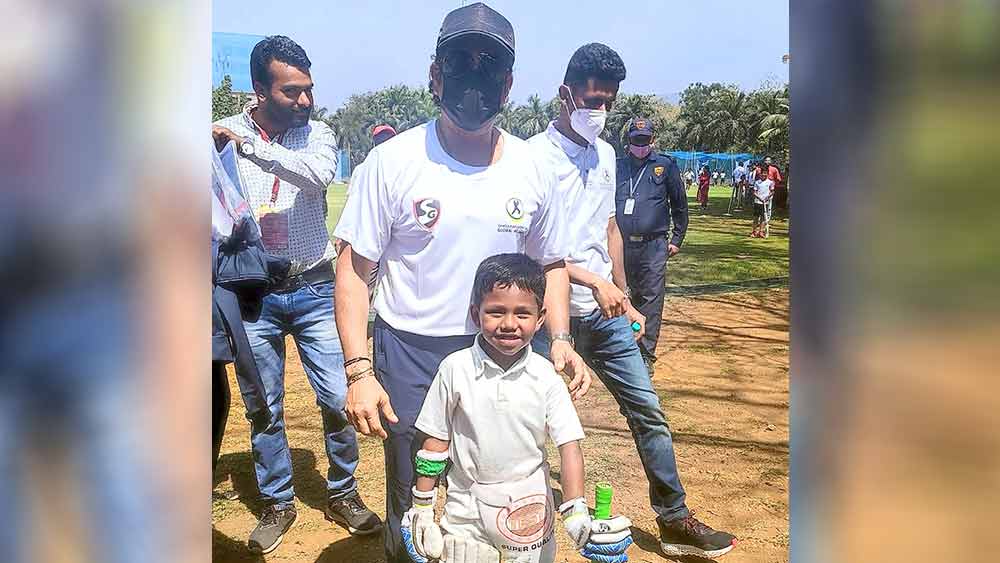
{"points": [[762, 190], [430, 220], [586, 187], [496, 421]]}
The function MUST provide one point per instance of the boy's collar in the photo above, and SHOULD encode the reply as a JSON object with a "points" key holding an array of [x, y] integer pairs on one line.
{"points": [[483, 361]]}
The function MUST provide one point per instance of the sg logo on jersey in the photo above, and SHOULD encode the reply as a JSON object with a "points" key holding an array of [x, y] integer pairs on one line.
{"points": [[515, 208], [427, 211]]}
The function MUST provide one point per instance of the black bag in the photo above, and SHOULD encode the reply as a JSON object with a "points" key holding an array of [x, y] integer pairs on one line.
{"points": [[242, 274], [245, 268]]}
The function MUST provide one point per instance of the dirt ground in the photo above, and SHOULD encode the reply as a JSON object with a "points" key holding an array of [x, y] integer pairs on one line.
{"points": [[723, 381]]}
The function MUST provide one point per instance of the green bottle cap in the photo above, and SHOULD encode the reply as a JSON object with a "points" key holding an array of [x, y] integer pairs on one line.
{"points": [[602, 501], [636, 327]]}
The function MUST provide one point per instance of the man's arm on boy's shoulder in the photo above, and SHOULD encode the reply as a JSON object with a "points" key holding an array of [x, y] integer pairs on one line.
{"points": [[562, 354]]}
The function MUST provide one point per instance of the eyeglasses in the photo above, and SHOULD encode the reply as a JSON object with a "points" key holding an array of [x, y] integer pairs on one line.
{"points": [[459, 62]]}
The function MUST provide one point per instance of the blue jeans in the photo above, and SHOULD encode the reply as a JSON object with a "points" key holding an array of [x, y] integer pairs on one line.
{"points": [[610, 350], [306, 314]]}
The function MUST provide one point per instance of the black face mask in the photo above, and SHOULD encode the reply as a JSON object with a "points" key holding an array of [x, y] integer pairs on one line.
{"points": [[472, 99]]}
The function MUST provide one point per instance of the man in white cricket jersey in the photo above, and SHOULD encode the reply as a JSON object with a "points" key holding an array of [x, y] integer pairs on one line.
{"points": [[428, 207]]}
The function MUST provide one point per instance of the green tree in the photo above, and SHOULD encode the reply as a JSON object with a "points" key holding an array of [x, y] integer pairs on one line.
{"points": [[224, 101], [532, 118], [729, 120], [771, 130], [400, 106]]}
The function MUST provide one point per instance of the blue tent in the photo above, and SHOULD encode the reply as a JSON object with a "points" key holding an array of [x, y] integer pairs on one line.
{"points": [[716, 161]]}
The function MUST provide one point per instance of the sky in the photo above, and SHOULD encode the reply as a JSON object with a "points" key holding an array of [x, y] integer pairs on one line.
{"points": [[666, 45]]}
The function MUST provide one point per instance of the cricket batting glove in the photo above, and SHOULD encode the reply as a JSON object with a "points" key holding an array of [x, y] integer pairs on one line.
{"points": [[608, 540], [459, 549], [576, 520], [421, 535]]}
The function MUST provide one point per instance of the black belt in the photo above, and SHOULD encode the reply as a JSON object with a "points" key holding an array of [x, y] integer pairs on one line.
{"points": [[645, 238], [319, 274]]}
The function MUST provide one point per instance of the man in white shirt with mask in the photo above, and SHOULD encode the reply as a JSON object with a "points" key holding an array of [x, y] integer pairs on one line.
{"points": [[428, 207], [602, 320]]}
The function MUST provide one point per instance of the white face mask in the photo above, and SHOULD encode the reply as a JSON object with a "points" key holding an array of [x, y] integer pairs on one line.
{"points": [[588, 123]]}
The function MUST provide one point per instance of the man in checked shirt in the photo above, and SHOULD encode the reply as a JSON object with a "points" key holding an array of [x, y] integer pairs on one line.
{"points": [[286, 162]]}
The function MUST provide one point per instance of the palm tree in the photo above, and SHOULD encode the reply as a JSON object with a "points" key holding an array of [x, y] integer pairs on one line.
{"points": [[769, 127], [729, 120], [774, 129], [531, 118]]}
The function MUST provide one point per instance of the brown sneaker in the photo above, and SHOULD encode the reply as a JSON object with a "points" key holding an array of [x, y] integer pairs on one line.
{"points": [[689, 536]]}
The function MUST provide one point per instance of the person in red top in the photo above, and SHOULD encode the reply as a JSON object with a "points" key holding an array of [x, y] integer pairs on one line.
{"points": [[382, 133], [772, 171], [703, 180], [773, 174]]}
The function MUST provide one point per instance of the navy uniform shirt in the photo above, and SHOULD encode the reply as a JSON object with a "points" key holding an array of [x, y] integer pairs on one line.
{"points": [[659, 197]]}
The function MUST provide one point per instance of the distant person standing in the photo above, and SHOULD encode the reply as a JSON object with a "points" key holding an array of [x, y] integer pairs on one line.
{"points": [[773, 174], [286, 162], [649, 196], [715, 178], [771, 171], [763, 191], [381, 134], [703, 182]]}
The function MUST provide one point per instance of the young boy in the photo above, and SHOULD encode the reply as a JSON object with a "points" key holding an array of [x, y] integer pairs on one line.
{"points": [[488, 412], [762, 192]]}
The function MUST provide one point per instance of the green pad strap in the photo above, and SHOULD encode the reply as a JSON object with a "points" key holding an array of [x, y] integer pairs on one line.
{"points": [[429, 467], [431, 464]]}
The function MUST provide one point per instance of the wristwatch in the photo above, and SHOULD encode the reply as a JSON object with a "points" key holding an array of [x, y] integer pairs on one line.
{"points": [[246, 146], [564, 336]]}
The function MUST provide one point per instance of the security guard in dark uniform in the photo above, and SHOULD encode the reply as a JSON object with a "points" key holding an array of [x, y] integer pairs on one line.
{"points": [[649, 194]]}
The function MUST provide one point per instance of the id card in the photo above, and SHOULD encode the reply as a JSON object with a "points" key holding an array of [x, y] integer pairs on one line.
{"points": [[629, 206], [273, 228]]}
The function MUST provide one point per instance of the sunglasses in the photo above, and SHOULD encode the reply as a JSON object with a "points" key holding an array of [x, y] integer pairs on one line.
{"points": [[459, 62]]}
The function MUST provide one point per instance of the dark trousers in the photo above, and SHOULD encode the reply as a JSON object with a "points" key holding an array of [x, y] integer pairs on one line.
{"points": [[405, 364], [220, 407], [646, 275]]}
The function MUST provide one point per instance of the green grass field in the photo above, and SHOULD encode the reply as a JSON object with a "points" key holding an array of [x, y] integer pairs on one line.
{"points": [[716, 250]]}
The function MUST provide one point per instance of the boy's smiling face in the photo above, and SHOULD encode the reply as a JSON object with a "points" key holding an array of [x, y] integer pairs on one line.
{"points": [[508, 318]]}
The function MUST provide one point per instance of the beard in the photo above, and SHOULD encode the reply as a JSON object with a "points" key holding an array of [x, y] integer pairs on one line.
{"points": [[286, 117]]}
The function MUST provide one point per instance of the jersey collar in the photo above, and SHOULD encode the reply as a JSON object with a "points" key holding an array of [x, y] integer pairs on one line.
{"points": [[485, 366], [567, 145]]}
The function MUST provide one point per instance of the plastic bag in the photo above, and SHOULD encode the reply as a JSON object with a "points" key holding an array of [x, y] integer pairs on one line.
{"points": [[229, 204]]}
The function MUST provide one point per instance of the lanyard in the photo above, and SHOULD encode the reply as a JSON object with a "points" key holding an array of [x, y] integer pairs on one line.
{"points": [[277, 183], [633, 184]]}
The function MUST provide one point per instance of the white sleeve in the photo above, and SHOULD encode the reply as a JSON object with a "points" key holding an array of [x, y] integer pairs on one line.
{"points": [[547, 240], [366, 222], [561, 422], [435, 414]]}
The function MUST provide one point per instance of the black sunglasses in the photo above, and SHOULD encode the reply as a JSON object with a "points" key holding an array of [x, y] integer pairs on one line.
{"points": [[459, 62]]}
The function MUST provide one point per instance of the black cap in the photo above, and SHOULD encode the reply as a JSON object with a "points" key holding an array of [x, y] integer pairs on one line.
{"points": [[640, 126], [477, 19]]}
